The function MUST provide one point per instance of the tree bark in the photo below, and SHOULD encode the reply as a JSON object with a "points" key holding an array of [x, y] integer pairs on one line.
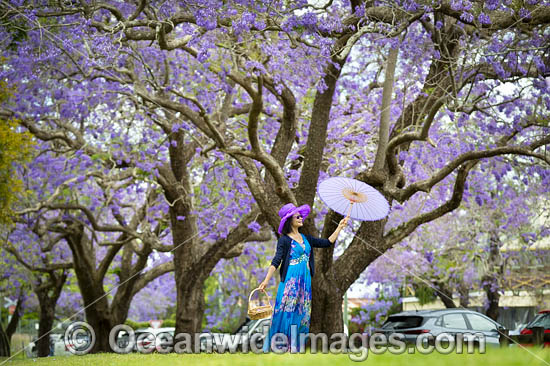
{"points": [[5, 334], [47, 315], [190, 295], [490, 280], [493, 298], [464, 293], [317, 136], [97, 310], [326, 310], [387, 92], [190, 306], [445, 294], [5, 350], [12, 325], [48, 293]]}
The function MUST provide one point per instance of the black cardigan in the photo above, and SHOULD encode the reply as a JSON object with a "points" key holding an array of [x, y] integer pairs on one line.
{"points": [[283, 252]]}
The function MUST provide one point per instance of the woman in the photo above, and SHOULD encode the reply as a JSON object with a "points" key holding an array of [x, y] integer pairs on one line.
{"points": [[291, 313]]}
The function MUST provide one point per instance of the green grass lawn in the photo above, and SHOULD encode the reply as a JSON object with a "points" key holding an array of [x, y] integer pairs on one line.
{"points": [[532, 357]]}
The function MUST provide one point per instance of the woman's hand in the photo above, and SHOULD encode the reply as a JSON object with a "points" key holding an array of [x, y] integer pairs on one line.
{"points": [[336, 232], [343, 222], [263, 285]]}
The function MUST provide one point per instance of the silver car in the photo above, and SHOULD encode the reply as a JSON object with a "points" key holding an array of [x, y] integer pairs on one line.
{"points": [[451, 321]]}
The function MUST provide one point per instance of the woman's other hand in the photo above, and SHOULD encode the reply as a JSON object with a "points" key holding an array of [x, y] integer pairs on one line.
{"points": [[263, 285]]}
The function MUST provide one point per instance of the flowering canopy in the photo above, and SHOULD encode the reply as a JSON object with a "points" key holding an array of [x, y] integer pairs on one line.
{"points": [[185, 125]]}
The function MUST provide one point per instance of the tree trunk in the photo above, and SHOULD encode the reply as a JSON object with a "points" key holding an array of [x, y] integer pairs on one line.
{"points": [[333, 277], [493, 298], [12, 325], [4, 343], [48, 293], [326, 310], [190, 307], [189, 292], [102, 325], [193, 260], [326, 301], [98, 313], [5, 335], [101, 315], [445, 294], [490, 279], [47, 315], [464, 293], [190, 303], [317, 135]]}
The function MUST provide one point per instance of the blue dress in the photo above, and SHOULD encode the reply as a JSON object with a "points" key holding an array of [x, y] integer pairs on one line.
{"points": [[292, 310]]}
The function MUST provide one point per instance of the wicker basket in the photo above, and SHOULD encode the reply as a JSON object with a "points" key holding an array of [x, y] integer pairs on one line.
{"points": [[259, 312]]}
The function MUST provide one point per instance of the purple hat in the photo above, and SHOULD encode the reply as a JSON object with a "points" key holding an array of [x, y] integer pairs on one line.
{"points": [[288, 210]]}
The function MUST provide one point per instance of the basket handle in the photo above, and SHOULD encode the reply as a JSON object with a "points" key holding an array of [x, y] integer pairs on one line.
{"points": [[256, 289]]}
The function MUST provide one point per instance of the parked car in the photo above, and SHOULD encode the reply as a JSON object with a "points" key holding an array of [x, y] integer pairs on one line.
{"points": [[247, 328], [542, 319], [155, 339], [451, 321], [208, 341], [150, 339], [252, 327], [147, 339], [60, 348], [517, 330], [56, 340]]}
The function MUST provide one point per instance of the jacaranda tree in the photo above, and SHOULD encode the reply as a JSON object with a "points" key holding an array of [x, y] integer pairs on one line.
{"points": [[407, 96], [46, 262]]}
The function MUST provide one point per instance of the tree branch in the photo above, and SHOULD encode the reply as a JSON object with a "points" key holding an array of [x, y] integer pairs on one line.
{"points": [[426, 184], [384, 130], [152, 274], [46, 269], [402, 231]]}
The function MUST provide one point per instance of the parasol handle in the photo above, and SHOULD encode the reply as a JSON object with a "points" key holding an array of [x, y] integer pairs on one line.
{"points": [[350, 206]]}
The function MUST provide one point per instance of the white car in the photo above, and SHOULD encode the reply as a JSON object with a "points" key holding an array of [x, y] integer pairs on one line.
{"points": [[56, 341], [247, 330], [256, 326], [149, 339], [60, 349]]}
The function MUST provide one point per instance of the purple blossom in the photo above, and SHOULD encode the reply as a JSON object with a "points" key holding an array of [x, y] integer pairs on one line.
{"points": [[429, 256], [410, 5], [524, 14], [206, 17], [479, 200], [467, 17], [484, 18], [491, 4], [254, 226]]}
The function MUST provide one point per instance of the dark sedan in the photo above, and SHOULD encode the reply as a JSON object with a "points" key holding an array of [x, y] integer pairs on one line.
{"points": [[542, 320]]}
